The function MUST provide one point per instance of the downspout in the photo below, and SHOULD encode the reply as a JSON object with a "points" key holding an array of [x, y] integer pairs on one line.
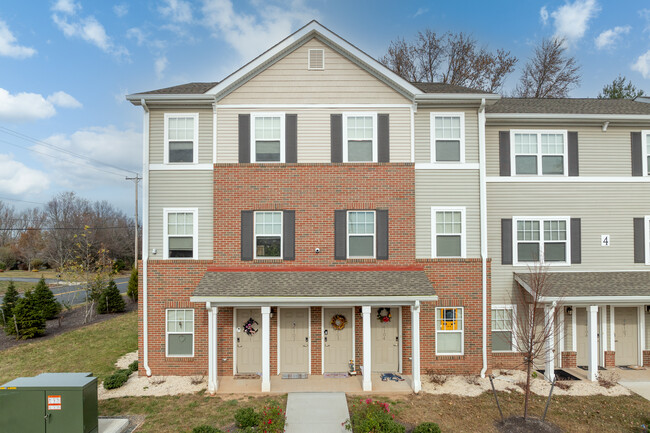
{"points": [[145, 235], [483, 213]]}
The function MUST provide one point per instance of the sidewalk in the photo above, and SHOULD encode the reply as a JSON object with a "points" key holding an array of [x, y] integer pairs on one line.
{"points": [[316, 412]]}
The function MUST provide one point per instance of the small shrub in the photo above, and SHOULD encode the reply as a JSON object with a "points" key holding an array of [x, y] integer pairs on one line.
{"points": [[272, 419], [196, 380], [372, 416], [472, 380], [563, 385], [427, 427], [608, 380], [521, 384], [247, 417], [505, 373], [28, 318], [534, 375], [117, 379], [3, 266], [206, 429], [36, 264], [159, 380], [435, 378], [133, 366], [110, 300], [46, 301], [9, 303], [132, 289], [119, 265]]}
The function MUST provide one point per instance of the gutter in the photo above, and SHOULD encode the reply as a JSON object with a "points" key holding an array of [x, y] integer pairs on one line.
{"points": [[145, 235], [567, 116], [457, 96], [483, 214]]}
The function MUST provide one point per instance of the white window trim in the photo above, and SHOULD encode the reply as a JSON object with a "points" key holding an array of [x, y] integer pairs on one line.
{"points": [[374, 135], [644, 151], [462, 332], [646, 238], [168, 333], [347, 234], [309, 67], [432, 136], [515, 259], [282, 137], [195, 232], [513, 308], [255, 236], [463, 233], [539, 132], [195, 141]]}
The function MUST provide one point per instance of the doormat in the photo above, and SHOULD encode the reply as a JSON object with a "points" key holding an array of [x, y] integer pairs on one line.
{"points": [[391, 376], [294, 375], [335, 375], [586, 368], [631, 367], [247, 376]]}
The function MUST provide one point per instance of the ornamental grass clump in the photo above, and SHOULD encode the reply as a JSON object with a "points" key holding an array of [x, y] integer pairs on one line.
{"points": [[370, 416]]}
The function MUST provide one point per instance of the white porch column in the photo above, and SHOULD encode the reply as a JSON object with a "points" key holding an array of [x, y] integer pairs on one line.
{"points": [[603, 332], [367, 353], [415, 346], [211, 347], [592, 338], [549, 323], [215, 350], [266, 349]]}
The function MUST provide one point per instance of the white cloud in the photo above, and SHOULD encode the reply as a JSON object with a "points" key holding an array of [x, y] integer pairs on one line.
{"points": [[178, 11], [9, 46], [642, 65], [24, 106], [68, 7], [543, 14], [144, 38], [64, 100], [420, 11], [16, 178], [645, 14], [608, 38], [160, 65], [121, 9], [572, 19]]}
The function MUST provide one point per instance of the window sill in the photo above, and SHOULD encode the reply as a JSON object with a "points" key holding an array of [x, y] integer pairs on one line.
{"points": [[361, 260], [446, 166], [267, 261]]}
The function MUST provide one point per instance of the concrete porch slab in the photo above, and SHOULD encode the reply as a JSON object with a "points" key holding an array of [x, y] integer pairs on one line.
{"points": [[316, 412], [112, 425]]}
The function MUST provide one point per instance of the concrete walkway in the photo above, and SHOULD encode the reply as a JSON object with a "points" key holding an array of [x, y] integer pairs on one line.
{"points": [[641, 388], [316, 412]]}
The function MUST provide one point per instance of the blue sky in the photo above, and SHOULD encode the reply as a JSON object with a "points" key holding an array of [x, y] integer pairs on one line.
{"points": [[65, 65]]}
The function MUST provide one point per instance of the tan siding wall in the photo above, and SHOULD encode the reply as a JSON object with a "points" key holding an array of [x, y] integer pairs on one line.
{"points": [[604, 208], [423, 131], [181, 189], [313, 133], [446, 188], [568, 331], [289, 82], [157, 133], [600, 153]]}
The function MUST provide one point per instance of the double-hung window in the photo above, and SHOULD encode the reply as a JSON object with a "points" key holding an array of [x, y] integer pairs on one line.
{"points": [[360, 137], [645, 151], [503, 317], [180, 333], [447, 232], [449, 331], [447, 137], [268, 235], [267, 137], [180, 233], [544, 240], [181, 138], [539, 152], [361, 234]]}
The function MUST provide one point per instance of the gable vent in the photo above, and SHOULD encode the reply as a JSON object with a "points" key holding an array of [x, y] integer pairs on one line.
{"points": [[316, 60]]}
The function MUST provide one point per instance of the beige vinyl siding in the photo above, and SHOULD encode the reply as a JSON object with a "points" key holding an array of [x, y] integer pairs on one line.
{"points": [[423, 133], [157, 133], [289, 82], [446, 188], [604, 208], [568, 330], [600, 153], [169, 189], [647, 329], [313, 132]]}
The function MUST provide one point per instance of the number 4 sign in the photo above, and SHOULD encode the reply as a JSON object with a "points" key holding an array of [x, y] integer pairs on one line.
{"points": [[604, 240]]}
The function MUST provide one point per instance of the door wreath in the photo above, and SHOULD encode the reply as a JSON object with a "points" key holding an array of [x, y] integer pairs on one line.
{"points": [[248, 326], [383, 315], [338, 322]]}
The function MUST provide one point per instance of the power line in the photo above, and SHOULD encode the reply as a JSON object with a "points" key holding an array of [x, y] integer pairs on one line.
{"points": [[64, 228], [24, 201]]}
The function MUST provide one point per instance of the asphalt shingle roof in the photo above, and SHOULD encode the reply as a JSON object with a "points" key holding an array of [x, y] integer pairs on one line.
{"points": [[315, 284], [445, 88], [590, 284], [568, 106], [183, 89]]}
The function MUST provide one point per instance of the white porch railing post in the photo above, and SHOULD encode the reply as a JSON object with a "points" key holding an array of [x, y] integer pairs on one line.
{"points": [[215, 350], [415, 346], [266, 349], [367, 353], [592, 337]]}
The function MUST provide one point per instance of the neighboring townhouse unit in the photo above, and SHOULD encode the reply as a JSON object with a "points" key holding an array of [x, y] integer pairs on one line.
{"points": [[315, 213]]}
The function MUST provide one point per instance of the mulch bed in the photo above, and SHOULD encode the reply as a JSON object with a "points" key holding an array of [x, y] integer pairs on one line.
{"points": [[518, 424], [73, 319]]}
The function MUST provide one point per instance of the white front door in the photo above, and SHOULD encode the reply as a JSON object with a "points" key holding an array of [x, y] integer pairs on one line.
{"points": [[385, 341], [249, 344], [294, 340], [337, 343], [625, 335]]}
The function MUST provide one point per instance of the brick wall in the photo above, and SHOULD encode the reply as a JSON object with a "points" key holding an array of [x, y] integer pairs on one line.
{"points": [[646, 358], [508, 360], [569, 359], [610, 358]]}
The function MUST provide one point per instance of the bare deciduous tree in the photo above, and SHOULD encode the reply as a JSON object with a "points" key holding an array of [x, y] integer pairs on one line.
{"points": [[401, 59]]}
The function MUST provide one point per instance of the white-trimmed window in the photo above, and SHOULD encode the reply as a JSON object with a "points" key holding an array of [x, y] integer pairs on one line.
{"points": [[536, 153], [541, 239], [316, 59], [503, 325], [645, 151], [449, 331], [181, 138], [360, 137], [447, 137], [646, 229], [267, 137], [180, 233], [361, 234], [448, 232], [180, 333], [268, 235]]}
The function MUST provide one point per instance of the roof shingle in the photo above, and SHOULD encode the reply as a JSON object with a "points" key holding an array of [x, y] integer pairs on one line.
{"points": [[183, 89], [568, 106], [590, 284]]}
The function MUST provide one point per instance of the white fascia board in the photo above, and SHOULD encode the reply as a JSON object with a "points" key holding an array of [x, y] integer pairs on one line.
{"points": [[598, 300], [566, 116], [199, 98], [440, 97], [306, 301]]}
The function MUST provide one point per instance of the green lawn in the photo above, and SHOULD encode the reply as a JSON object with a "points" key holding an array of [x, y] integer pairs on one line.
{"points": [[20, 286]]}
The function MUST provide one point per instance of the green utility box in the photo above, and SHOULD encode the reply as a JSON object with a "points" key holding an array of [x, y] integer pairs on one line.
{"points": [[49, 403]]}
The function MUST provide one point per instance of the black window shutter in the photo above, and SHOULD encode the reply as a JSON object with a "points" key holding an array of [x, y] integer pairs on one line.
{"points": [[637, 154], [247, 235], [244, 138], [504, 153], [383, 138], [336, 137], [506, 241], [576, 241], [291, 138], [289, 235], [639, 240], [573, 154], [382, 234], [340, 234]]}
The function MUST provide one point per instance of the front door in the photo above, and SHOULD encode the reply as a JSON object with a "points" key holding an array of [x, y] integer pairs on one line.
{"points": [[385, 340], [625, 335], [248, 331], [294, 340], [337, 343]]}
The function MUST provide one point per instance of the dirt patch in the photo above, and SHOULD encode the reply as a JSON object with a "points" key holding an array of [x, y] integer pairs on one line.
{"points": [[126, 360], [138, 386], [517, 424]]}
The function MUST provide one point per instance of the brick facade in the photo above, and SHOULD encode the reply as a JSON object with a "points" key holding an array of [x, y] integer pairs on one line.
{"points": [[646, 358], [610, 358], [569, 359]]}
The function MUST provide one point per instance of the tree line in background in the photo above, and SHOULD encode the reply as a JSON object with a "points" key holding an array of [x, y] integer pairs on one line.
{"points": [[459, 59]]}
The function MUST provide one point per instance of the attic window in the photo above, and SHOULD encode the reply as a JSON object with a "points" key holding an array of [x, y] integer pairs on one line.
{"points": [[316, 60]]}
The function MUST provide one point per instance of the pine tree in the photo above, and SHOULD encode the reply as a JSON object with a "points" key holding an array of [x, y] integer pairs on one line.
{"points": [[28, 318], [45, 300], [9, 302], [132, 290], [110, 301]]}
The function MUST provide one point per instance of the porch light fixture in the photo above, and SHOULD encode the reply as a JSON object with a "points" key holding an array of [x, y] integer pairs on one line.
{"points": [[569, 310]]}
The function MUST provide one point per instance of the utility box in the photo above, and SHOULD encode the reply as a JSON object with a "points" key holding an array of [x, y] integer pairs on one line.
{"points": [[49, 403]]}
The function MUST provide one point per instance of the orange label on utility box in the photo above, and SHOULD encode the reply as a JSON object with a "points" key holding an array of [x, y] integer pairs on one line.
{"points": [[53, 402]]}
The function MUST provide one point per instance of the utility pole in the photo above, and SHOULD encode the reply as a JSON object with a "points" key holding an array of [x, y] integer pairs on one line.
{"points": [[135, 180]]}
